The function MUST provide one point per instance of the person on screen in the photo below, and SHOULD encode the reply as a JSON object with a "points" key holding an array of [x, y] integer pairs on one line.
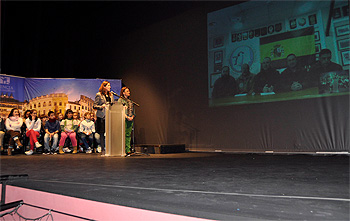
{"points": [[292, 78], [103, 98], [224, 86], [266, 80], [129, 117], [245, 82], [323, 65]]}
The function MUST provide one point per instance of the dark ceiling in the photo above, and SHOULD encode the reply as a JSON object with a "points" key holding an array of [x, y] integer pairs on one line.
{"points": [[40, 36]]}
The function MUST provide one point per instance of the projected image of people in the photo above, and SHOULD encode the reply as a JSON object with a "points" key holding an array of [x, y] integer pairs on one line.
{"points": [[245, 82], [267, 79], [293, 78], [225, 85], [278, 56], [323, 66]]}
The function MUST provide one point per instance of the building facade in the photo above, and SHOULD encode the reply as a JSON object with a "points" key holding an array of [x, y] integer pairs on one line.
{"points": [[52, 102]]}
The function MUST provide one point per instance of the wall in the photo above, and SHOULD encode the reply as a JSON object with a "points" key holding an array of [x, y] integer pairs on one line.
{"points": [[165, 66]]}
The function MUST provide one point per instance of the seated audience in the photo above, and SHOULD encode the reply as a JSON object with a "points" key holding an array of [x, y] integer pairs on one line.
{"points": [[13, 126], [2, 133], [76, 118], [52, 128], [33, 124], [68, 128], [87, 130]]}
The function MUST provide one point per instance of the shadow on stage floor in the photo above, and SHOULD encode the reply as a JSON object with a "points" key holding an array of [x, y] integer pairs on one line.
{"points": [[205, 185]]}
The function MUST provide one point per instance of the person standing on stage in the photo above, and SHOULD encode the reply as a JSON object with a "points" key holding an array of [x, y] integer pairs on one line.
{"points": [[129, 116], [103, 98]]}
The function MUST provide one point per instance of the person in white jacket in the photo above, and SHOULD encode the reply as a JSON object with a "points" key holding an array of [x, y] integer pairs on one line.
{"points": [[13, 126], [33, 124], [87, 130]]}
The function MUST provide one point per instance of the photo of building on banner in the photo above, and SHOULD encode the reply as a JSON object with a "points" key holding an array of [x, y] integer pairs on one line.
{"points": [[46, 95], [290, 57]]}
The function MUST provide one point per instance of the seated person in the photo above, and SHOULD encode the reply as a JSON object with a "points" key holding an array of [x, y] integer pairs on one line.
{"points": [[13, 126], [87, 130], [76, 120], [245, 82], [266, 80], [292, 78], [2, 133], [224, 86], [68, 128], [52, 128], [33, 124], [323, 65]]}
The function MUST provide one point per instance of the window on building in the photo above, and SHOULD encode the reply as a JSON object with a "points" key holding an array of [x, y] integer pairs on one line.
{"points": [[55, 103], [44, 104], [60, 104], [39, 104], [49, 103], [34, 106]]}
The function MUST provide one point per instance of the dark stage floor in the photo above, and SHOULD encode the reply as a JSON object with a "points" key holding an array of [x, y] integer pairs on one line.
{"points": [[206, 185]]}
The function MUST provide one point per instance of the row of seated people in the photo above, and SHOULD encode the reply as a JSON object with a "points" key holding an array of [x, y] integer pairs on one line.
{"points": [[293, 78], [56, 134]]}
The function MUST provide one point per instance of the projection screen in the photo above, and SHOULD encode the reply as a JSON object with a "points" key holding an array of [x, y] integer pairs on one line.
{"points": [[267, 51]]}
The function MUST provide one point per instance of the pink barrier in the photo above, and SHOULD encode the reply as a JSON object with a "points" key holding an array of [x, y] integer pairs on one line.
{"points": [[80, 207]]}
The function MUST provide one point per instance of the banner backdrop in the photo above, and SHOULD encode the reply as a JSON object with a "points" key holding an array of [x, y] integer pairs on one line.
{"points": [[73, 88], [12, 86], [54, 94]]}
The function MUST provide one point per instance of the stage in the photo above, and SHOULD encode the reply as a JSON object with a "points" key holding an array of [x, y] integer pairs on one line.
{"points": [[202, 185]]}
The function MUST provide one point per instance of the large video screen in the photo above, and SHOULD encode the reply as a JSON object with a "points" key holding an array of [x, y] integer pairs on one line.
{"points": [[266, 51]]}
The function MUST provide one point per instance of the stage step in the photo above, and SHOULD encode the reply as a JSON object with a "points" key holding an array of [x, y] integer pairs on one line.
{"points": [[161, 149]]}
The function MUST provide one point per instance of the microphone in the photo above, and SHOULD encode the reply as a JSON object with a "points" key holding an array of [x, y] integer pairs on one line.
{"points": [[115, 93]]}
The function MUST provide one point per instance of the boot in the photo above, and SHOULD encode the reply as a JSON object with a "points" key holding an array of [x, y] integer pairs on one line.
{"points": [[9, 151], [75, 149], [60, 150], [18, 142]]}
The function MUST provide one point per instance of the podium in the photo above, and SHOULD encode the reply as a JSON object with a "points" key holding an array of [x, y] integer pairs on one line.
{"points": [[115, 130]]}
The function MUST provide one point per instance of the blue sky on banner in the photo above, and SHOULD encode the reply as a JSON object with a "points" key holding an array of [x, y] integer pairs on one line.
{"points": [[35, 87], [12, 85]]}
